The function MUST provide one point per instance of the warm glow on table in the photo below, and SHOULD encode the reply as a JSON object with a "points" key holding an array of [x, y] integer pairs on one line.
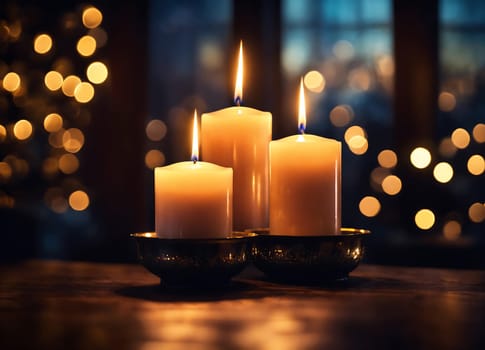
{"points": [[305, 183]]}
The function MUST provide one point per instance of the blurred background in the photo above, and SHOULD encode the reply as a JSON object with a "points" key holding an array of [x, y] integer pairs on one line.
{"points": [[94, 96]]}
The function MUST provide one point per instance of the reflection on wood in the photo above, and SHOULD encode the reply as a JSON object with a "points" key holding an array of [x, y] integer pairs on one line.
{"points": [[58, 305]]}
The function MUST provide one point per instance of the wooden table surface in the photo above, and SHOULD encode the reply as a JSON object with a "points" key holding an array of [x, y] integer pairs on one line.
{"points": [[75, 305]]}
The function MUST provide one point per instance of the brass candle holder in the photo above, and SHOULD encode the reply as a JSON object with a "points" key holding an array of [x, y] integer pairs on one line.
{"points": [[201, 263], [308, 259], [211, 263]]}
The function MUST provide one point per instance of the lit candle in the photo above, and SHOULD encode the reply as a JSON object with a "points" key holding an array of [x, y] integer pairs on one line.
{"points": [[193, 199], [238, 137], [305, 189]]}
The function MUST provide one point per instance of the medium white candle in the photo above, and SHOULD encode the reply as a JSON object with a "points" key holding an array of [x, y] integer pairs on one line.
{"points": [[193, 199], [238, 137], [305, 183]]}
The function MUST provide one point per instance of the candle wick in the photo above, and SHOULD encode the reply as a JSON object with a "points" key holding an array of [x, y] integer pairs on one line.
{"points": [[301, 128], [194, 159], [238, 101]]}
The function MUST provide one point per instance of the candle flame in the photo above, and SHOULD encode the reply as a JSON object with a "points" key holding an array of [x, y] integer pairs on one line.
{"points": [[238, 91], [301, 109], [195, 140]]}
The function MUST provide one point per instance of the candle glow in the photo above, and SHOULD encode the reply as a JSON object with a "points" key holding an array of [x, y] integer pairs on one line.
{"points": [[238, 137], [301, 109], [305, 182], [238, 90], [195, 140], [193, 199]]}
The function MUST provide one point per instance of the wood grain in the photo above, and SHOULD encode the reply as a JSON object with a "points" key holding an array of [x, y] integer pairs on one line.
{"points": [[77, 305]]}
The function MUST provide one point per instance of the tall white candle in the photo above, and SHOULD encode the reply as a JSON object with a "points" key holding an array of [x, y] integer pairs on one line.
{"points": [[238, 137], [193, 199], [305, 183]]}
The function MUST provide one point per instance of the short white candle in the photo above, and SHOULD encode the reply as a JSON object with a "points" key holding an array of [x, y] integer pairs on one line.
{"points": [[193, 199], [305, 183]]}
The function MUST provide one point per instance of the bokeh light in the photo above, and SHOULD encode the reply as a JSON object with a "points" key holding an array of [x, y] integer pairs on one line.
{"points": [[378, 175], [447, 148], [68, 163], [3, 133], [20, 167], [156, 130], [343, 50], [53, 122], [424, 219], [443, 172], [92, 17], [97, 72], [22, 129], [154, 158], [84, 92], [460, 138], [476, 212], [452, 230], [53, 80], [210, 55], [341, 115], [479, 133], [79, 200], [50, 166], [358, 145], [15, 29], [72, 140], [64, 66], [353, 131], [11, 81], [360, 79], [314, 81], [86, 45], [69, 85], [391, 185], [42, 43], [55, 138], [420, 157], [54, 198], [369, 206], [100, 35], [446, 101], [6, 201], [476, 164], [387, 158], [5, 172], [385, 66]]}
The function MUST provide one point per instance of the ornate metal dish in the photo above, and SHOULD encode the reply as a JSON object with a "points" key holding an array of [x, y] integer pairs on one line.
{"points": [[200, 263], [308, 258]]}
